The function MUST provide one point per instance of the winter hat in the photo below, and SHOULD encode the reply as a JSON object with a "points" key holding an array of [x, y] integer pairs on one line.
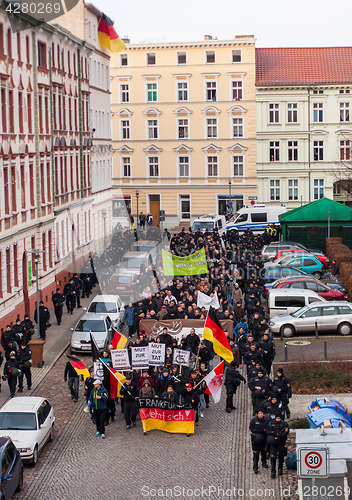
{"points": [[280, 370], [189, 386]]}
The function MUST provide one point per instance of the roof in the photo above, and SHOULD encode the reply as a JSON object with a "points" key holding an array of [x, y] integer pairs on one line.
{"points": [[105, 298], [28, 403], [318, 211], [303, 66]]}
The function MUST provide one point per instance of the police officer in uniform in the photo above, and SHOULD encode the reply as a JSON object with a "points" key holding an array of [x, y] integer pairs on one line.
{"points": [[282, 387], [58, 299], [24, 357], [277, 432], [28, 328], [70, 295], [267, 349], [79, 285], [258, 438], [9, 340], [44, 316], [11, 372]]}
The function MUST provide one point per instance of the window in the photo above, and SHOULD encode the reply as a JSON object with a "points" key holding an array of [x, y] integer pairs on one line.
{"points": [[292, 150], [318, 189], [126, 167], [182, 128], [19, 46], [11, 112], [292, 113], [185, 203], [237, 127], [293, 189], [238, 165], [211, 91], [183, 166], [182, 91], [152, 126], [212, 128], [274, 190], [125, 92], [336, 188], [317, 112], [237, 90], [125, 129], [212, 166], [28, 50], [181, 58], [236, 56], [9, 42], [151, 58], [152, 92], [274, 113], [123, 60], [41, 55], [318, 150], [315, 92], [210, 56], [344, 111], [345, 150], [274, 150], [153, 166], [2, 51]]}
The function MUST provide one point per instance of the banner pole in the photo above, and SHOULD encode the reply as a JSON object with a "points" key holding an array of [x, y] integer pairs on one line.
{"points": [[123, 385]]}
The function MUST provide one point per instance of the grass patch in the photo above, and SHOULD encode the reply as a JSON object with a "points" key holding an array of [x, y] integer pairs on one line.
{"points": [[299, 423], [319, 378]]}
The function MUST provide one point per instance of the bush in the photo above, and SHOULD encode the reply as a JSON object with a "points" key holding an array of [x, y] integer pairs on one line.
{"points": [[299, 423], [345, 276]]}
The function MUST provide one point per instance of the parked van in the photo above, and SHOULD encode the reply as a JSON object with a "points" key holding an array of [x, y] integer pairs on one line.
{"points": [[135, 262], [210, 223], [287, 301], [256, 217]]}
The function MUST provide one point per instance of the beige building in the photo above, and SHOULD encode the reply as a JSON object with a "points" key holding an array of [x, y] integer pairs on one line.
{"points": [[184, 127]]}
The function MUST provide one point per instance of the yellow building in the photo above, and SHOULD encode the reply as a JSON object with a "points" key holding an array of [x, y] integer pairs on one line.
{"points": [[184, 127]]}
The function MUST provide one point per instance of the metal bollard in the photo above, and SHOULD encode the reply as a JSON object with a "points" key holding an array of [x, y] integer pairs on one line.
{"points": [[325, 350], [316, 330], [286, 353]]}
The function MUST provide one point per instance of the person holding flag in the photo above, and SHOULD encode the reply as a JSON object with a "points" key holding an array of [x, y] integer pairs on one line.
{"points": [[74, 368], [216, 335]]}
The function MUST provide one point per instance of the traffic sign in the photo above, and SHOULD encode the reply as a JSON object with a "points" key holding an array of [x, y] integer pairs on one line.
{"points": [[230, 203], [313, 462], [252, 198], [252, 202]]}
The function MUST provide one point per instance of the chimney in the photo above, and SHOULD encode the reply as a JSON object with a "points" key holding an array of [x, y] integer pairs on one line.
{"points": [[208, 37]]}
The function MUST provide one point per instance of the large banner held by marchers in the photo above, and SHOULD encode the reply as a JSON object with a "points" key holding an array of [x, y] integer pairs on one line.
{"points": [[192, 265], [165, 416]]}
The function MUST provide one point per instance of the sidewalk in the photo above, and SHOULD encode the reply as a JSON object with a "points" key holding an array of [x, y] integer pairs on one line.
{"points": [[57, 340]]}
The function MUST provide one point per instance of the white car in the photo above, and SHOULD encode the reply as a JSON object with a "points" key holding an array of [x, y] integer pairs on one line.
{"points": [[29, 422], [110, 305]]}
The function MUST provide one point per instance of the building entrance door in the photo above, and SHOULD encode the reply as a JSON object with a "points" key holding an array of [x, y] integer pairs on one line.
{"points": [[154, 207]]}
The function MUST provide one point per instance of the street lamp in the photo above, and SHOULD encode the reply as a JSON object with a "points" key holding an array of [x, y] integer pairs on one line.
{"points": [[104, 214], [36, 257], [137, 196]]}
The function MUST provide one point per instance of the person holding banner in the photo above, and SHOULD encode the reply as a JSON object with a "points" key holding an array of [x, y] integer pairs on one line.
{"points": [[163, 382], [130, 394], [146, 391], [171, 395], [191, 400]]}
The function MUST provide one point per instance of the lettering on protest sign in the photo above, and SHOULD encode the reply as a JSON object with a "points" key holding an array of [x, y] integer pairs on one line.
{"points": [[120, 360], [181, 357], [140, 358], [98, 370], [156, 354]]}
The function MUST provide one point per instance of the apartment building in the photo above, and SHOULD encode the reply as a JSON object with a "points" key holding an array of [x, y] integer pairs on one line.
{"points": [[303, 123], [184, 127]]}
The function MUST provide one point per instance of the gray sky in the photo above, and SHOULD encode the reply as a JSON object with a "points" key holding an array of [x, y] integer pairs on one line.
{"points": [[274, 23]]}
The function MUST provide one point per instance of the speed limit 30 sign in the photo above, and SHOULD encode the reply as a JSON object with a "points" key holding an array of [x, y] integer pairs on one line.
{"points": [[313, 462]]}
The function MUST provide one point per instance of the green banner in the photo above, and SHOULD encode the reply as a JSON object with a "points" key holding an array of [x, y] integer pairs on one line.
{"points": [[191, 265], [30, 275]]}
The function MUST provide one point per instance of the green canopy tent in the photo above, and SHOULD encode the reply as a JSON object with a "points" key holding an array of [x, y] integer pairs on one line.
{"points": [[309, 224]]}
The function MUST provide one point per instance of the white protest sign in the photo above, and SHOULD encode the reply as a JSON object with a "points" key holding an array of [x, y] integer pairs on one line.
{"points": [[98, 370], [140, 358], [204, 300], [156, 354], [181, 357], [120, 360]]}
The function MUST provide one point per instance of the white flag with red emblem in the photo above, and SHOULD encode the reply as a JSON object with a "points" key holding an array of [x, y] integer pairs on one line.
{"points": [[214, 382]]}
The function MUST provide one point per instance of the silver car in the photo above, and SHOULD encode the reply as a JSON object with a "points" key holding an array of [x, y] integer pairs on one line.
{"points": [[98, 325], [330, 317]]}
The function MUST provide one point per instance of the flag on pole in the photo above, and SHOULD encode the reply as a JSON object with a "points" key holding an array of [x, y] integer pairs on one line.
{"points": [[214, 382], [215, 334], [118, 341], [116, 379], [79, 366], [107, 35], [95, 348]]}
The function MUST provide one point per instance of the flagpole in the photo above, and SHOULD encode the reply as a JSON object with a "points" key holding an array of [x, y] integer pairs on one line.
{"points": [[207, 376], [123, 385]]}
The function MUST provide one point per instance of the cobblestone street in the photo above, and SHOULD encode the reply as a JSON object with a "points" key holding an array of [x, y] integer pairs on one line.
{"points": [[130, 465]]}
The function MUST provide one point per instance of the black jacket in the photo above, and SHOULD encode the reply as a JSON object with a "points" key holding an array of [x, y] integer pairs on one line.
{"points": [[58, 298], [129, 393], [277, 429], [8, 338], [233, 377], [44, 315], [191, 398], [70, 371], [24, 355], [10, 365], [282, 387]]}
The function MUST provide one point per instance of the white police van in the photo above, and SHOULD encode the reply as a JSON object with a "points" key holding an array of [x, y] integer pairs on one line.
{"points": [[255, 217], [210, 223]]}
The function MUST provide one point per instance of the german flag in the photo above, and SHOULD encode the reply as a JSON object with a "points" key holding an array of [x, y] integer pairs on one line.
{"points": [[118, 341], [215, 334], [107, 35], [116, 379], [79, 366]]}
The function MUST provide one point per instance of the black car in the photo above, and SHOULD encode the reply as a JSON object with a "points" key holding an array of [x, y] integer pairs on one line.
{"points": [[11, 469]]}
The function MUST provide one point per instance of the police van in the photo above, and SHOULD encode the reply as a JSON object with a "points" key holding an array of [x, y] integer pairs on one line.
{"points": [[210, 223], [256, 217]]}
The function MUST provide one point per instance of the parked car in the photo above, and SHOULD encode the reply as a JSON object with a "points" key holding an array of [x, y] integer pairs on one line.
{"points": [[269, 251], [256, 217], [287, 300], [309, 264], [309, 283], [29, 422], [148, 246], [330, 317], [135, 263], [300, 251], [99, 325], [110, 305], [274, 272], [11, 468], [123, 285], [210, 223]]}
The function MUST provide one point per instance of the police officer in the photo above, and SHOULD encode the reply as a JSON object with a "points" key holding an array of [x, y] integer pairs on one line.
{"points": [[232, 382], [87, 285], [24, 357], [18, 329], [79, 285], [267, 349], [258, 438], [11, 372], [282, 387], [70, 295], [9, 341], [277, 432], [260, 387], [28, 328], [272, 407], [44, 316], [58, 299]]}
